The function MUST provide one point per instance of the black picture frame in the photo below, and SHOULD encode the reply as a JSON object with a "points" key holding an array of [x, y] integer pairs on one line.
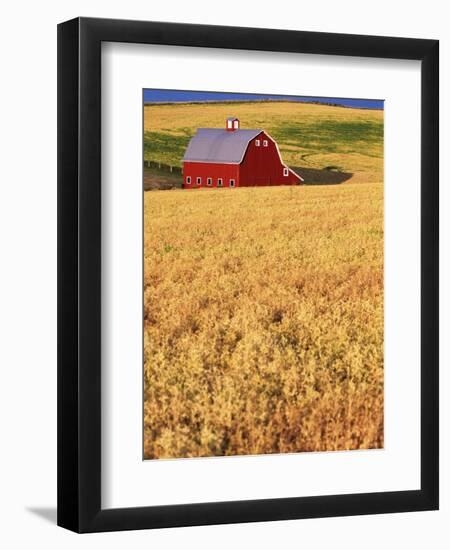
{"points": [[79, 274]]}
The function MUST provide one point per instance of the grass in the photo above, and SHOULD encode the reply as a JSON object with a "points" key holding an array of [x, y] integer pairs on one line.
{"points": [[309, 135], [330, 136], [263, 307]]}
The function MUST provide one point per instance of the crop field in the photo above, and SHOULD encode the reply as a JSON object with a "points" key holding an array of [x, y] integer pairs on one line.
{"points": [[263, 307], [312, 138]]}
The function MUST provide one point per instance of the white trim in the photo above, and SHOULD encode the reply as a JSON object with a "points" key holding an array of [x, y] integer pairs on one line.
{"points": [[198, 180], [188, 180], [295, 173], [209, 181], [221, 182], [265, 143], [281, 158], [232, 180], [285, 172], [257, 144]]}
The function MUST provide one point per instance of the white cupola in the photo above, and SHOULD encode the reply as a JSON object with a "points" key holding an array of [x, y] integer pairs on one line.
{"points": [[232, 124]]}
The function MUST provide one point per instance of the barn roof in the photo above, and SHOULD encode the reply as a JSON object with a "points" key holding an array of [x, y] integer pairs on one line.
{"points": [[217, 145]]}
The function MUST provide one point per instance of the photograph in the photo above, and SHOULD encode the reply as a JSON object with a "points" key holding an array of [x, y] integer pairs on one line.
{"points": [[248, 274], [263, 274]]}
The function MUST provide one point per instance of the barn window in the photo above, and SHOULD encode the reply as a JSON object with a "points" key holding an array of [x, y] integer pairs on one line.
{"points": [[219, 182], [265, 143], [199, 181], [257, 143], [208, 181], [285, 171], [232, 183], [188, 180], [236, 124]]}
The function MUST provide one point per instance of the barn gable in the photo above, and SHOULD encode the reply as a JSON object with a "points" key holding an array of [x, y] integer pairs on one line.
{"points": [[216, 145]]}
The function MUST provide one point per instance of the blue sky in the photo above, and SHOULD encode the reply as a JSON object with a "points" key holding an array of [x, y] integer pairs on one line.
{"points": [[165, 96]]}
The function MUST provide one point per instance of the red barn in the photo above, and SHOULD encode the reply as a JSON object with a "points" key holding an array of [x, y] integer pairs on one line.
{"points": [[231, 157]]}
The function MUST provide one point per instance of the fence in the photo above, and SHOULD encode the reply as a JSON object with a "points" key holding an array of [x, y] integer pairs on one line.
{"points": [[163, 167]]}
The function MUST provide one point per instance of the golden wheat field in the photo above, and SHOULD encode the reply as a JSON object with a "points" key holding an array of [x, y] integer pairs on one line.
{"points": [[309, 135], [263, 316]]}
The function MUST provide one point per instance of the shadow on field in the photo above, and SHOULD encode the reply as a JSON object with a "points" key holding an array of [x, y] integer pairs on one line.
{"points": [[327, 176], [155, 179]]}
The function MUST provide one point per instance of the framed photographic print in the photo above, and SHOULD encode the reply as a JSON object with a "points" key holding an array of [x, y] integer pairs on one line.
{"points": [[248, 275]]}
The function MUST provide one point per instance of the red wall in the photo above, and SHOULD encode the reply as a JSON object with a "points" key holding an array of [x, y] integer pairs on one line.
{"points": [[214, 171], [263, 166], [260, 166]]}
